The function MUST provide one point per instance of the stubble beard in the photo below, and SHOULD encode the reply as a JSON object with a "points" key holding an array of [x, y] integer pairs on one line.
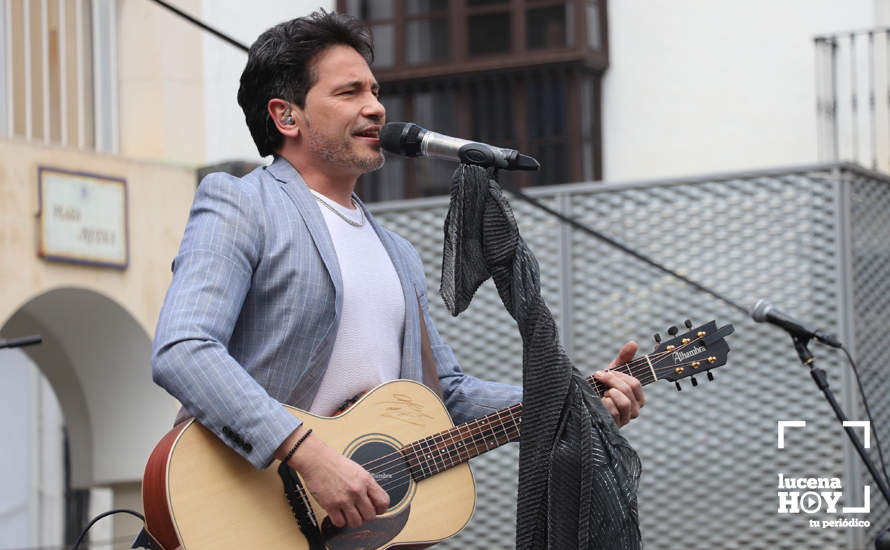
{"points": [[341, 153]]}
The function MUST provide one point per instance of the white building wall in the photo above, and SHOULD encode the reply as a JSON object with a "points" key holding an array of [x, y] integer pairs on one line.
{"points": [[693, 86], [227, 137], [700, 87], [32, 483], [15, 496]]}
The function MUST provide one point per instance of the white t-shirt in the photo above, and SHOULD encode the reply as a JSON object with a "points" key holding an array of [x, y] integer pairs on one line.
{"points": [[368, 348]]}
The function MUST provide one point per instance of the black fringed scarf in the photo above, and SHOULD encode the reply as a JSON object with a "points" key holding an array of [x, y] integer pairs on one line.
{"points": [[577, 475]]}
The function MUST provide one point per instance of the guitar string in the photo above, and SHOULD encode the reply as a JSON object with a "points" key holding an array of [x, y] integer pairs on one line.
{"points": [[398, 477], [444, 446], [642, 362], [455, 445], [427, 458], [445, 457]]}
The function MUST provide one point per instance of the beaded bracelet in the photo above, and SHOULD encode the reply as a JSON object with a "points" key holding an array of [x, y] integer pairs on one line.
{"points": [[297, 444]]}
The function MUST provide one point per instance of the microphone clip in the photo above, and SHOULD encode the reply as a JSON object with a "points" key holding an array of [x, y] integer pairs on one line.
{"points": [[483, 155], [801, 344]]}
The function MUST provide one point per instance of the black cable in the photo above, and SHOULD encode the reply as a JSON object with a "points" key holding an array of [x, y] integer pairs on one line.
{"points": [[871, 420], [204, 26], [612, 242], [100, 516], [101, 543]]}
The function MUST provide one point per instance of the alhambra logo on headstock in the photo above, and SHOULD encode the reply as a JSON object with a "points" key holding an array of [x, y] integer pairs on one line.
{"points": [[697, 351], [681, 355]]}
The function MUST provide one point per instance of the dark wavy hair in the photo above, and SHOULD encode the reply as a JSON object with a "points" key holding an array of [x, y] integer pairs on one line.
{"points": [[279, 65]]}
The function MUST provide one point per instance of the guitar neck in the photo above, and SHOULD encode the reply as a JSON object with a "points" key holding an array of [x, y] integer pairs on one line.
{"points": [[441, 451]]}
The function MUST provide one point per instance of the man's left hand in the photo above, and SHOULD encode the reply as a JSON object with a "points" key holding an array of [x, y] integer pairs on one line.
{"points": [[625, 397]]}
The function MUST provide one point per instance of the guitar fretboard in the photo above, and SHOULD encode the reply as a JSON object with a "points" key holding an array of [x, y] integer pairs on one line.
{"points": [[441, 451]]}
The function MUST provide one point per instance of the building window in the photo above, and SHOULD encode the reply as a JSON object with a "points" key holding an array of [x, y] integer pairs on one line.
{"points": [[594, 26], [380, 17], [57, 72], [546, 110], [489, 27], [426, 40], [549, 26], [426, 31], [512, 73]]}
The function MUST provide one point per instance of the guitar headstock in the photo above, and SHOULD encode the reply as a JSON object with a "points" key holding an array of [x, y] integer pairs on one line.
{"points": [[697, 351]]}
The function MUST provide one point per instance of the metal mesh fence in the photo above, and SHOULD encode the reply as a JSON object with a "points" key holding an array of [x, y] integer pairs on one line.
{"points": [[709, 453], [870, 257]]}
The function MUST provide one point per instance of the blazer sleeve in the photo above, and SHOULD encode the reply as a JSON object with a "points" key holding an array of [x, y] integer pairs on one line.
{"points": [[212, 275], [466, 397]]}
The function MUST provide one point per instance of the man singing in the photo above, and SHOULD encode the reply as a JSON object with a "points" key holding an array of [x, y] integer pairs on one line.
{"points": [[285, 288]]}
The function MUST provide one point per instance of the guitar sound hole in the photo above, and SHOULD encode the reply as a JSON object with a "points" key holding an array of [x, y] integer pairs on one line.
{"points": [[387, 466]]}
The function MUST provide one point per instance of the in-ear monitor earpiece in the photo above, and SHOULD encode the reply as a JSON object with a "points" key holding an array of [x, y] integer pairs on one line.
{"points": [[287, 117]]}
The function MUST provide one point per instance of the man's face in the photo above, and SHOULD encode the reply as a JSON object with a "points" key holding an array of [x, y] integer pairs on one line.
{"points": [[342, 114]]}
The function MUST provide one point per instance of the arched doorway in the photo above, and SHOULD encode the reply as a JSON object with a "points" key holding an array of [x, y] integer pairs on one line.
{"points": [[96, 357]]}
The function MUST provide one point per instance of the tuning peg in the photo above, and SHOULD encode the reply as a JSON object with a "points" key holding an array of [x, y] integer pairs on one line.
{"points": [[694, 381], [672, 331], [678, 386], [657, 338], [688, 323], [710, 377]]}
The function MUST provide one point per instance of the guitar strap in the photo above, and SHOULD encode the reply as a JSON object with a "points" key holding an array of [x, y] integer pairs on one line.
{"points": [[430, 373]]}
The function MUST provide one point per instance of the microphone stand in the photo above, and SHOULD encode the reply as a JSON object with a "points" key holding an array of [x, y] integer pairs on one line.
{"points": [[882, 542], [20, 342]]}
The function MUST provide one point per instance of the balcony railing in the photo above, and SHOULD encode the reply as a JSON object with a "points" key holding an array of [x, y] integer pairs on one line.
{"points": [[853, 97], [58, 72]]}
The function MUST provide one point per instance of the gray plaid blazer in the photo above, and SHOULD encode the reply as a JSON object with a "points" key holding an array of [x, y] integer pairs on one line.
{"points": [[251, 315]]}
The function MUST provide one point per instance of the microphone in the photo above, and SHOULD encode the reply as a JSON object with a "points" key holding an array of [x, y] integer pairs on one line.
{"points": [[410, 140], [764, 312]]}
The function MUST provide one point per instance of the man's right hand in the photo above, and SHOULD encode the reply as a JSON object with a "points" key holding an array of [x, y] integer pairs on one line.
{"points": [[342, 487]]}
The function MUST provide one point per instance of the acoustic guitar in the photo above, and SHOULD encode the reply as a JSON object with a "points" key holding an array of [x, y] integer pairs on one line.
{"points": [[199, 494]]}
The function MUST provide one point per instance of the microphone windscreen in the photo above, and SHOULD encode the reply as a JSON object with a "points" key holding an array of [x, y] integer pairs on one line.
{"points": [[401, 138], [391, 136], [759, 310]]}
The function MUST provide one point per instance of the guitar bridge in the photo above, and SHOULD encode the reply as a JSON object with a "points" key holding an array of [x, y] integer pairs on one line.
{"points": [[299, 505]]}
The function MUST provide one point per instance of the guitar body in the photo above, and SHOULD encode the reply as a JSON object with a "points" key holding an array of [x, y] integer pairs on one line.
{"points": [[200, 495]]}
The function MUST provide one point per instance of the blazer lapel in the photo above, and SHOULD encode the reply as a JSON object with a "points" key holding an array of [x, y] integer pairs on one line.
{"points": [[296, 189]]}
